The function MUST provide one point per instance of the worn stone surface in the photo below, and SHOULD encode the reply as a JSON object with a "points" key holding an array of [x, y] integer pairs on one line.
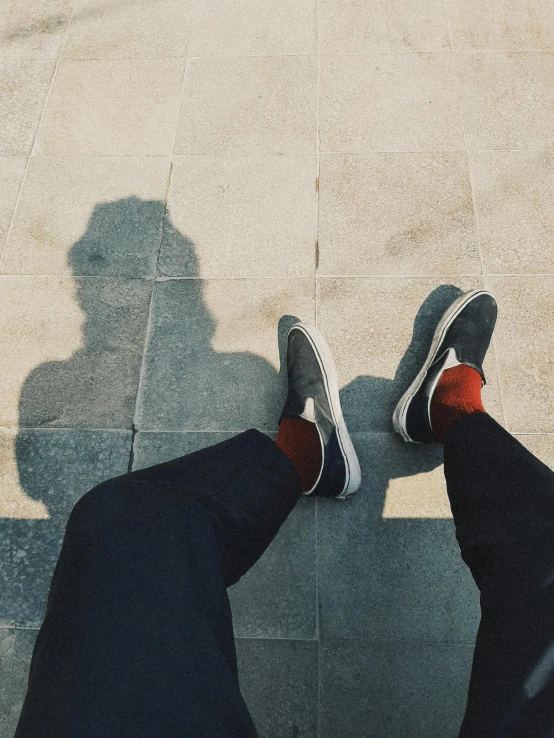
{"points": [[212, 360], [526, 373], [23, 89], [12, 170], [16, 647], [509, 25], [125, 106], [249, 105], [279, 683], [359, 26], [210, 203], [395, 214], [89, 216], [507, 100], [389, 102], [72, 348], [129, 29], [33, 30], [200, 175], [45, 472], [515, 208], [253, 27], [393, 689], [388, 562]]}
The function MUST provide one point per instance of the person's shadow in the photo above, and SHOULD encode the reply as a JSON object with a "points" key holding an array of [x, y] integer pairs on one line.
{"points": [[404, 575]]}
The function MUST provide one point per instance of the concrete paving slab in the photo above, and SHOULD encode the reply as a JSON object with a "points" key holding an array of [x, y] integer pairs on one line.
{"points": [[389, 102], [320, 171], [23, 89], [389, 565], [16, 647], [393, 690], [33, 30], [363, 26], [125, 106], [73, 350], [138, 29], [254, 105], [47, 471], [279, 683], [509, 26], [12, 171], [253, 27], [89, 216], [542, 446], [393, 214], [515, 207], [210, 200], [524, 342], [212, 360], [507, 100]]}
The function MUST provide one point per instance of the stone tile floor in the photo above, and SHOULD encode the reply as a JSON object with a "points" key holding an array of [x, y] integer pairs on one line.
{"points": [[176, 176]]}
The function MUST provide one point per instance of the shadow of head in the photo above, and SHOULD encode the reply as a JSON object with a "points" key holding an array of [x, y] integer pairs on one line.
{"points": [[119, 239], [122, 240], [189, 383]]}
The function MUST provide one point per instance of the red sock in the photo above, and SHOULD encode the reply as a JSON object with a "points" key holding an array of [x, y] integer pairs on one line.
{"points": [[457, 394], [299, 440]]}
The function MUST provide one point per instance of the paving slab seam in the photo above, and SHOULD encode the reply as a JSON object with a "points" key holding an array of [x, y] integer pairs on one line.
{"points": [[483, 268], [149, 319]]}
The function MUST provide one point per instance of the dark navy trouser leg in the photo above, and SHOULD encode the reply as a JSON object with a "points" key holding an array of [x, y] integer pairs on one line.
{"points": [[137, 641], [502, 500]]}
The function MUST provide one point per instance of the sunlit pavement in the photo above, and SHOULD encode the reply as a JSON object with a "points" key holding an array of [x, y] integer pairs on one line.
{"points": [[176, 176]]}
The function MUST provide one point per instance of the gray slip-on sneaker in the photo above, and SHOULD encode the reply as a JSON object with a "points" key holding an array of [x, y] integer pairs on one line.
{"points": [[313, 394], [462, 336]]}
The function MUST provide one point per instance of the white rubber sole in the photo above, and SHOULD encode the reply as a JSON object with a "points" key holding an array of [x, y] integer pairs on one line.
{"points": [[401, 410], [329, 373]]}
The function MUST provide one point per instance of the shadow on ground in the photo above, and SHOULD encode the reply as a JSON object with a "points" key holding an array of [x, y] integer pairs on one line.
{"points": [[379, 579]]}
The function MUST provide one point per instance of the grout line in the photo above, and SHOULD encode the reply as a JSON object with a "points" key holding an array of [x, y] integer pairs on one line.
{"points": [[442, 50], [448, 26], [277, 155], [486, 280], [60, 57], [222, 57], [296, 639], [318, 179], [16, 205], [319, 277], [207, 431], [182, 91], [369, 152], [192, 26], [317, 617], [231, 279], [432, 276], [77, 429], [275, 638], [477, 224], [182, 94], [148, 330], [399, 276]]}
